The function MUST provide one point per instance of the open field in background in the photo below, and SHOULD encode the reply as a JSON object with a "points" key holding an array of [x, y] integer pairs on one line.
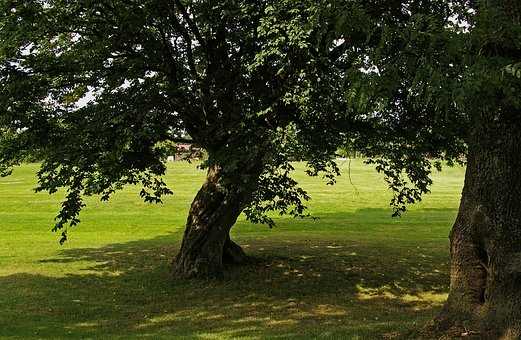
{"points": [[355, 273]]}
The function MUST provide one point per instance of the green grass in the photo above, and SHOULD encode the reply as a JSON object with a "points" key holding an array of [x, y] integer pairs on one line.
{"points": [[355, 273]]}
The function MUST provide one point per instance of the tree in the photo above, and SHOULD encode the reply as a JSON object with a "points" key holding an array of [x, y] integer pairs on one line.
{"points": [[447, 86], [96, 88], [486, 237]]}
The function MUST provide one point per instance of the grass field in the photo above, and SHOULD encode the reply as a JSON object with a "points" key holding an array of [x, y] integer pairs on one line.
{"points": [[355, 273]]}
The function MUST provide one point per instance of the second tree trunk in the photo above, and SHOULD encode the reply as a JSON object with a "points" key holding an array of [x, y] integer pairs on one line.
{"points": [[485, 274]]}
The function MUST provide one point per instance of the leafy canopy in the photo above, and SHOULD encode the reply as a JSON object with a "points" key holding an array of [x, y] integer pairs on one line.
{"points": [[444, 75], [96, 88]]}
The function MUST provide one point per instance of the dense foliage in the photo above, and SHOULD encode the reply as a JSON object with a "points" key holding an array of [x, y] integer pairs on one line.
{"points": [[95, 88], [450, 67]]}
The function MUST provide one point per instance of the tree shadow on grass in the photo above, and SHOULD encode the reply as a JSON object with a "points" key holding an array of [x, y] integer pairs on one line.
{"points": [[298, 287]]}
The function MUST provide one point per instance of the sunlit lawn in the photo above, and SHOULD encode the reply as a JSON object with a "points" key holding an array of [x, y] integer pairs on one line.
{"points": [[355, 273]]}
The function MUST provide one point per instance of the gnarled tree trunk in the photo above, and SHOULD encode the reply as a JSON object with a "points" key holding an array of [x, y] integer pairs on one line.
{"points": [[485, 277], [206, 242]]}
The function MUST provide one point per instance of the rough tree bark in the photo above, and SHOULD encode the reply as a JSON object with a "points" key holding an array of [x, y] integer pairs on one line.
{"points": [[485, 273], [206, 242], [485, 277]]}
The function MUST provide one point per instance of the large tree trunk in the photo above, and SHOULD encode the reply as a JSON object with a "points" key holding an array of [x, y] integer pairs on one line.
{"points": [[485, 277], [206, 243]]}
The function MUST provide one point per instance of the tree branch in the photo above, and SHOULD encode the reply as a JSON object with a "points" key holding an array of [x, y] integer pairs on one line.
{"points": [[338, 50], [191, 23]]}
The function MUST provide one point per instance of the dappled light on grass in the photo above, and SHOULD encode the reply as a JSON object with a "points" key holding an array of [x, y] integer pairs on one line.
{"points": [[112, 279], [421, 300], [310, 287]]}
